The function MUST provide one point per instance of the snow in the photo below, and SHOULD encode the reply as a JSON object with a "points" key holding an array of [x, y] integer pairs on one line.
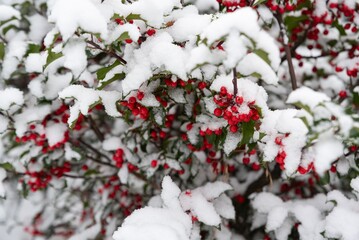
{"points": [[39, 27], [7, 12], [327, 150], [276, 218], [55, 133], [243, 20], [87, 98], [10, 96], [246, 67], [75, 56], [354, 183], [31, 114], [231, 142], [131, 29], [235, 48], [15, 50], [279, 122], [188, 27], [156, 52], [307, 96], [342, 223], [169, 222], [152, 11], [265, 202], [35, 62], [69, 15], [3, 123], [2, 188]]}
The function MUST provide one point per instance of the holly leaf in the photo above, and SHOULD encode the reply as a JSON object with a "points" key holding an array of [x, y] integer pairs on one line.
{"points": [[247, 131], [52, 56], [293, 21], [102, 72], [2, 50], [7, 166]]}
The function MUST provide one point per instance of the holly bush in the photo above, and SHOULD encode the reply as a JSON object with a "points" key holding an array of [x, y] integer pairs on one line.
{"points": [[179, 120]]}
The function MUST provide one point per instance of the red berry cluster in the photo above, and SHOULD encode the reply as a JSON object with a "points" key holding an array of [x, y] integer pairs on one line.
{"points": [[38, 180], [303, 170], [228, 108], [118, 157], [136, 108], [59, 171], [281, 153]]}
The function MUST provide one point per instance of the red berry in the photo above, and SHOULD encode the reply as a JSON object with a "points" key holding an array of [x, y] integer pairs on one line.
{"points": [[151, 32], [128, 40], [154, 163], [218, 112], [256, 166], [202, 85], [246, 160], [140, 95], [233, 128], [278, 141], [343, 94], [302, 170]]}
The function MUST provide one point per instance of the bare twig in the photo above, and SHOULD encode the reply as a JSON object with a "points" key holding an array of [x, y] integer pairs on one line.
{"points": [[287, 50], [234, 81], [95, 128]]}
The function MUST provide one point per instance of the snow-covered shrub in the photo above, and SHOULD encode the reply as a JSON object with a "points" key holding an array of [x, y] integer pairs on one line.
{"points": [[107, 106]]}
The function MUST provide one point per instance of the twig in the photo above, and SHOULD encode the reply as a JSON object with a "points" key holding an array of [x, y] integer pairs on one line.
{"points": [[287, 50], [87, 177], [95, 128], [234, 81], [110, 52]]}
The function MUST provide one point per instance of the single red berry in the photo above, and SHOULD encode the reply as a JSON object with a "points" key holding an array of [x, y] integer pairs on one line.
{"points": [[154, 163], [202, 85], [256, 166], [151, 32], [343, 94], [140, 95], [128, 40], [218, 112], [246, 160], [278, 141], [302, 170], [233, 128]]}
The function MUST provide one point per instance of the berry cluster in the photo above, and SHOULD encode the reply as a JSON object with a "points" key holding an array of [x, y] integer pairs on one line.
{"points": [[234, 109], [118, 157], [136, 108]]}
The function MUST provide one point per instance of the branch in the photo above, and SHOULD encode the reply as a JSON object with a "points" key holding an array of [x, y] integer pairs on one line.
{"points": [[287, 50], [95, 128], [234, 81]]}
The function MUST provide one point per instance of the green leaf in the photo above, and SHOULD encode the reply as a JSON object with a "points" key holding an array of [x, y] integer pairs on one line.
{"points": [[25, 190], [247, 131], [7, 166], [33, 48], [339, 27], [2, 50], [6, 29], [262, 54], [356, 98], [117, 77], [123, 36], [293, 21], [91, 172], [257, 2], [52, 57], [133, 17], [102, 72]]}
